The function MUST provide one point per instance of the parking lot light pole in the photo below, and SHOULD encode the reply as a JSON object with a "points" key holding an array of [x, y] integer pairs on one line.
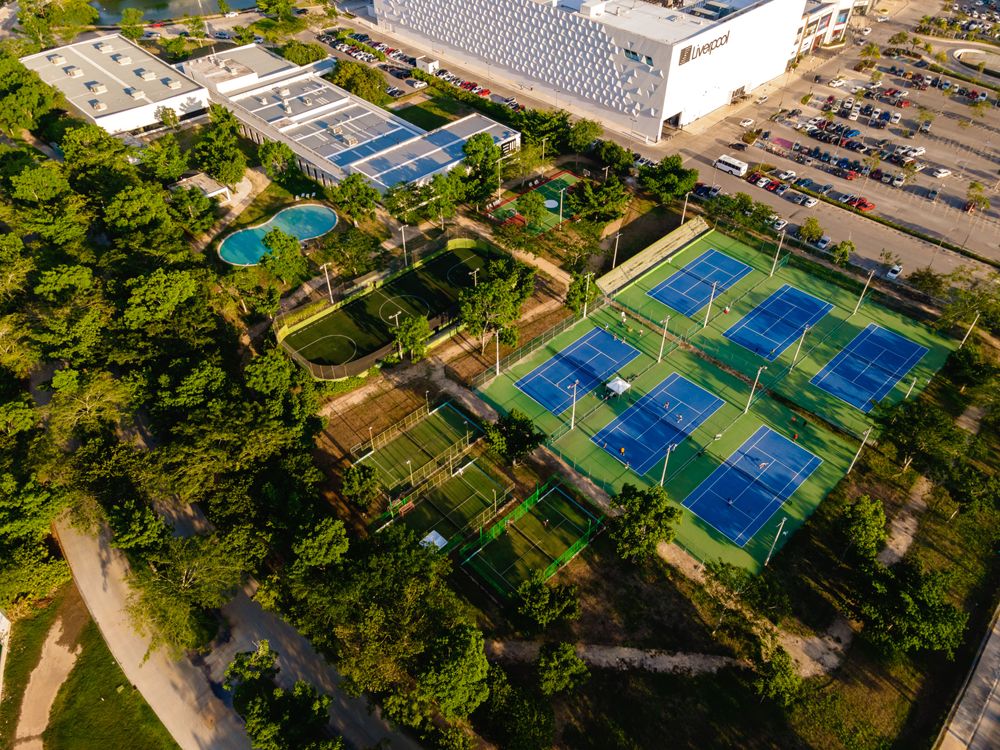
{"points": [[798, 348], [755, 381], [614, 259], [685, 211], [774, 264], [969, 332], [711, 299], [663, 340], [862, 295]]}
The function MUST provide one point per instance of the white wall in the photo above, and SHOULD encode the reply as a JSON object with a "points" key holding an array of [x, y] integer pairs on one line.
{"points": [[145, 115], [754, 52]]}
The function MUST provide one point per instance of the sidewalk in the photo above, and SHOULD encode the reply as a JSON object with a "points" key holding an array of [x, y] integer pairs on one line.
{"points": [[974, 721], [176, 691]]}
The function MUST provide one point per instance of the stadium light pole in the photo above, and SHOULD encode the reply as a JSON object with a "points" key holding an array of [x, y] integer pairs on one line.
{"points": [[329, 288], [663, 339], [614, 259], [666, 458], [402, 229], [755, 381], [862, 295], [409, 464], [561, 204], [798, 348], [395, 318], [497, 338], [969, 332], [711, 299], [572, 415], [475, 276], [910, 389], [774, 264], [586, 293], [685, 211], [857, 455], [777, 536]]}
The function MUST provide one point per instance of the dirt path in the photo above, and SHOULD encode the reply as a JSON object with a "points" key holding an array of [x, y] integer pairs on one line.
{"points": [[620, 657], [58, 656], [903, 526]]}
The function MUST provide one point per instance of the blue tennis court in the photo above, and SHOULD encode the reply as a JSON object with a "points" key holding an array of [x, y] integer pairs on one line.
{"points": [[741, 494], [665, 416], [869, 367], [689, 289], [778, 321], [588, 361]]}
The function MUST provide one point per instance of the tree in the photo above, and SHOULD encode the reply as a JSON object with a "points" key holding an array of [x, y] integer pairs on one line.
{"points": [[646, 518], [218, 151], [196, 27], [514, 436], [360, 80], [168, 117], [975, 196], [619, 158], [907, 609], [842, 252], [323, 549], [482, 157], [581, 134], [899, 38], [163, 160], [863, 525], [352, 251], [581, 288], [605, 203], [276, 157], [303, 54], [276, 718], [410, 336], [876, 77], [453, 672], [811, 231], [446, 192], [362, 485], [156, 298], [775, 677], [284, 257], [193, 210], [130, 24], [355, 197], [559, 669], [888, 258], [928, 281], [24, 98], [223, 6], [668, 180], [494, 304], [85, 402], [280, 9], [920, 430], [243, 34], [532, 207], [515, 718], [544, 604]]}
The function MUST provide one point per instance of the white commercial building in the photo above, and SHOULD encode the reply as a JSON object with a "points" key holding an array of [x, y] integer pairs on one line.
{"points": [[332, 132], [825, 23], [634, 66], [117, 84]]}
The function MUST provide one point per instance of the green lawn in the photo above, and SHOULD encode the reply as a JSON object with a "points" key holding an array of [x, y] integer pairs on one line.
{"points": [[27, 637], [97, 708], [433, 112]]}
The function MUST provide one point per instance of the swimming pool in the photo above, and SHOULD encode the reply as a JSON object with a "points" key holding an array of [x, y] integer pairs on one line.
{"points": [[307, 221]]}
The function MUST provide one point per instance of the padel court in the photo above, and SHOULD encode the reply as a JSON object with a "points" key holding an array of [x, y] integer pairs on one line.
{"points": [[742, 493], [663, 417], [864, 372]]}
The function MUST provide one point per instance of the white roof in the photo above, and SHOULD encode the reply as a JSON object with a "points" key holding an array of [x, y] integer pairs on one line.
{"points": [[618, 386], [111, 70]]}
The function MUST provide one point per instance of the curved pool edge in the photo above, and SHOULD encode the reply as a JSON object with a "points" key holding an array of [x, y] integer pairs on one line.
{"points": [[272, 217]]}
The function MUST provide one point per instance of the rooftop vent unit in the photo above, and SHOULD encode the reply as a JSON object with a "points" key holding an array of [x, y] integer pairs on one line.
{"points": [[103, 47], [146, 74], [57, 59], [96, 87], [307, 101], [285, 92], [98, 105], [262, 100], [121, 59], [136, 93], [74, 72], [171, 83]]}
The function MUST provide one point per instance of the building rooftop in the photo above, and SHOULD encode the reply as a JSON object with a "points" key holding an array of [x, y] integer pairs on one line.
{"points": [[658, 22], [203, 182], [239, 68], [109, 74], [429, 153]]}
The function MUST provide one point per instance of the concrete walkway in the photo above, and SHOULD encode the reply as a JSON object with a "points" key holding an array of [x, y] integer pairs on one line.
{"points": [[620, 657], [178, 692], [59, 653], [974, 722]]}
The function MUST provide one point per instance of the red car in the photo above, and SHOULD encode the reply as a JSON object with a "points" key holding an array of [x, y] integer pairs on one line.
{"points": [[772, 186]]}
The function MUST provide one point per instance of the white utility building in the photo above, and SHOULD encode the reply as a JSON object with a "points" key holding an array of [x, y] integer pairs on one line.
{"points": [[632, 65], [117, 84]]}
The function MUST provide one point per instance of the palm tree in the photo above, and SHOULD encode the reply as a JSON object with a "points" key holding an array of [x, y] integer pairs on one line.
{"points": [[975, 200], [870, 53], [871, 161]]}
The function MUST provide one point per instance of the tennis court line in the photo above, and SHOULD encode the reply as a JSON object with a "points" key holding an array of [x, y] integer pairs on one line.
{"points": [[724, 275]]}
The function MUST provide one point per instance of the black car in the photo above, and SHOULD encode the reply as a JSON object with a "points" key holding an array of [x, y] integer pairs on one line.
{"points": [[738, 146]]}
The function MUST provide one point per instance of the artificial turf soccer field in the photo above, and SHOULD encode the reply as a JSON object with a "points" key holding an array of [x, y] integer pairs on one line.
{"points": [[550, 192], [421, 444], [842, 363], [365, 324]]}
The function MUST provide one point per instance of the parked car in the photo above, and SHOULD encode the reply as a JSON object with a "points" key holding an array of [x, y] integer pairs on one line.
{"points": [[899, 180], [809, 202], [738, 146], [895, 118], [779, 224], [786, 175], [893, 273], [746, 122], [932, 194], [824, 242]]}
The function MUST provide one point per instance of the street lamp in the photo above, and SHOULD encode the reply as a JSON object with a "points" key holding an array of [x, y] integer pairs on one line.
{"points": [[329, 288], [614, 259], [561, 204], [755, 381]]}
